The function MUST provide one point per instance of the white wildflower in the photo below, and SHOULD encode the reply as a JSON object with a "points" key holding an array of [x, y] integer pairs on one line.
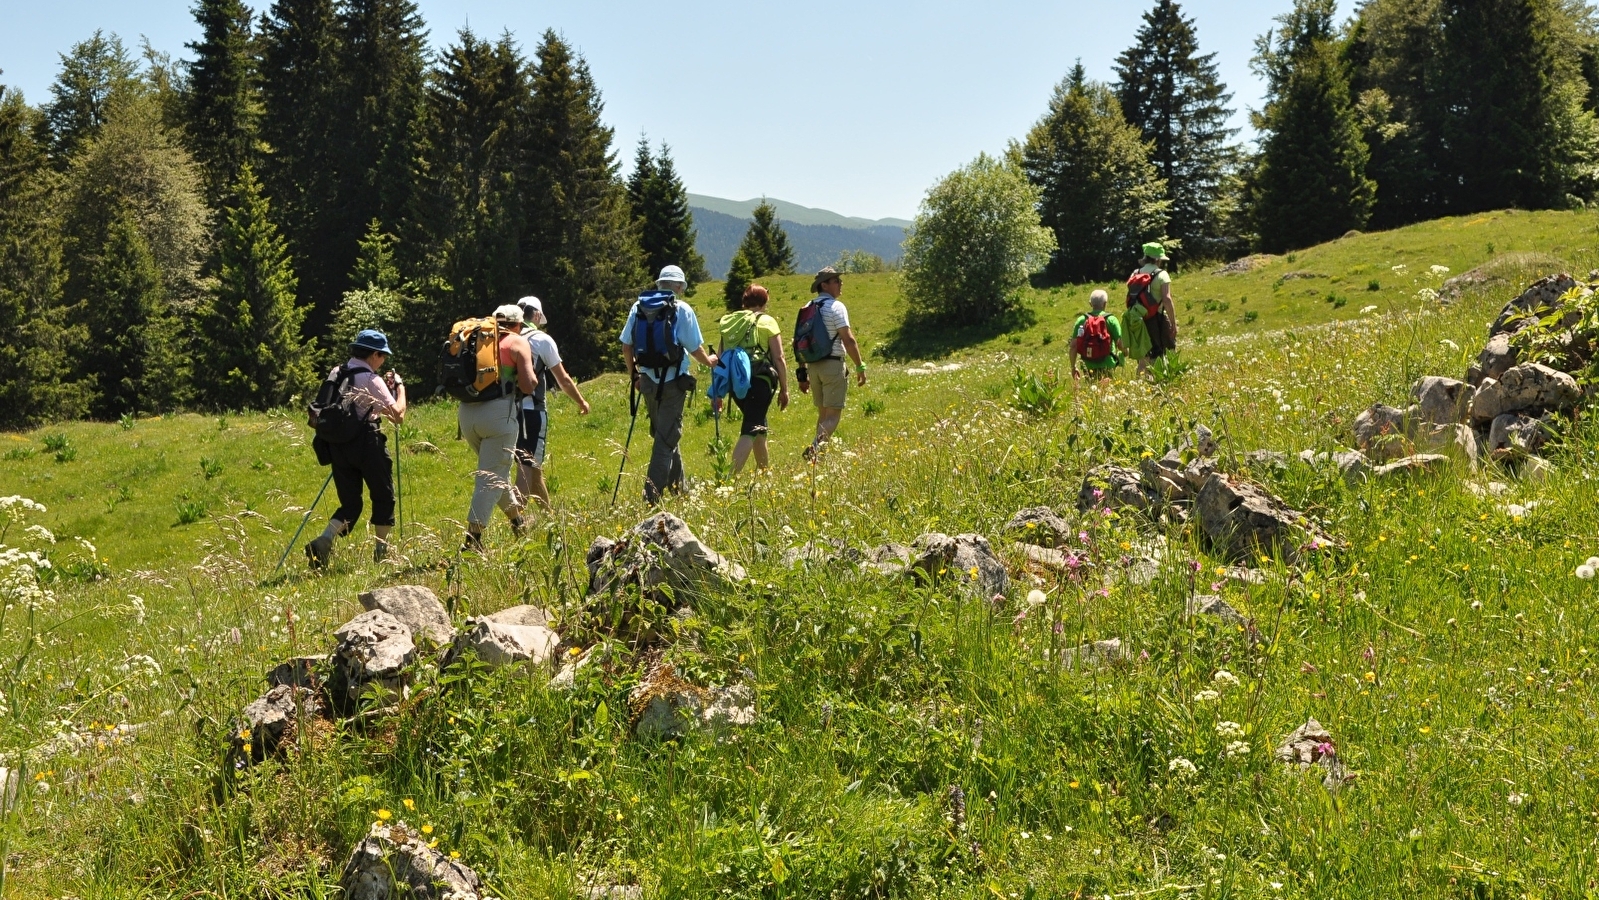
{"points": [[1237, 748], [1368, 309], [1207, 696], [1593, 561], [1181, 767], [1450, 344], [1585, 572], [1516, 799], [1036, 597], [1229, 730], [138, 608], [1399, 268], [41, 533], [1225, 677], [1439, 270], [1427, 294]]}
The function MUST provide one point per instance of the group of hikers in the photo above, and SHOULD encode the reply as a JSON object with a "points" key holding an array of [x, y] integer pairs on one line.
{"points": [[500, 367]]}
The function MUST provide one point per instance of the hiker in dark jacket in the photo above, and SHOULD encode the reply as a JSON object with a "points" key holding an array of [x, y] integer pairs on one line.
{"points": [[364, 460]]}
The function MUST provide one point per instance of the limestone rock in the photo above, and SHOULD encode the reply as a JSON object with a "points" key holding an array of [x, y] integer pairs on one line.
{"points": [[394, 862], [417, 608], [1312, 745], [566, 679], [659, 550], [1411, 465], [1212, 605], [1266, 460], [1536, 470], [1529, 386], [1496, 358], [271, 719], [1197, 470], [1352, 464], [1039, 525], [1111, 486], [1095, 655], [1243, 521], [968, 557], [1163, 478], [1047, 557], [372, 648], [1440, 401], [889, 559], [822, 552], [526, 614], [1517, 434], [1205, 441], [1382, 431], [1539, 299], [1459, 441], [665, 706], [500, 644], [615, 892]]}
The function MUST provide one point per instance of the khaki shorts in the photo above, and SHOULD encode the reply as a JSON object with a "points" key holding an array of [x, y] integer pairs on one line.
{"points": [[829, 383]]}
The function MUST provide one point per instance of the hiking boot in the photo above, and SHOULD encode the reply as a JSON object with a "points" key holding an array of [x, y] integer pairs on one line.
{"points": [[319, 551], [519, 527], [809, 453], [473, 543], [380, 551]]}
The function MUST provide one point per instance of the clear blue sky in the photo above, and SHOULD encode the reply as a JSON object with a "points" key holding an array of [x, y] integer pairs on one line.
{"points": [[855, 106]]}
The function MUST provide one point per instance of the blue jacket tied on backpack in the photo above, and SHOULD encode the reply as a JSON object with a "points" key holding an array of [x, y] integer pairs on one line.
{"points": [[731, 375]]}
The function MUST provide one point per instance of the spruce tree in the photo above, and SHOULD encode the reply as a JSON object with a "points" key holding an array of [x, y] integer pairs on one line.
{"points": [[740, 275], [1101, 196], [582, 248], [299, 42], [255, 355], [94, 75], [660, 207], [222, 107], [36, 383], [134, 336], [1310, 183], [766, 244], [1175, 98]]}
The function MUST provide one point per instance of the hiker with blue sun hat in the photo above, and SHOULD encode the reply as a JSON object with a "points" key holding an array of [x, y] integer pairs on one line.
{"points": [[348, 417]]}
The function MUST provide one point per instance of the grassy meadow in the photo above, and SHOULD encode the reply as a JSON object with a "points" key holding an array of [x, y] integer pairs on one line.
{"points": [[1445, 645]]}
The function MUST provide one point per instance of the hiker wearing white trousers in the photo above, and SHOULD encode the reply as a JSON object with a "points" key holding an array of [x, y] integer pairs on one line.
{"points": [[491, 429]]}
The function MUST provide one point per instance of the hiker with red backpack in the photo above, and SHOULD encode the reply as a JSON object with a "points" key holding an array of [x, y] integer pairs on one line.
{"points": [[821, 333], [1151, 322], [1097, 339], [659, 338], [347, 417]]}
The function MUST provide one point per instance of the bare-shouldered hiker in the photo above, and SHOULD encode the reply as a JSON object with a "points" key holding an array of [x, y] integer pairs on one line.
{"points": [[1151, 322], [490, 429], [534, 428]]}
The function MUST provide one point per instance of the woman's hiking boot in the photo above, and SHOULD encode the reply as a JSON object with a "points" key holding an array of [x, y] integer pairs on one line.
{"points": [[380, 551], [319, 551], [473, 543]]}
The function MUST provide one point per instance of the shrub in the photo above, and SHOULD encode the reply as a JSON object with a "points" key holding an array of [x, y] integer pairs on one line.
{"points": [[975, 240]]}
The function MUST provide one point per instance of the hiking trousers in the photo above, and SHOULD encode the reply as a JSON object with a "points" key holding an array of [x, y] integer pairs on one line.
{"points": [[490, 429], [363, 461], [666, 432]]}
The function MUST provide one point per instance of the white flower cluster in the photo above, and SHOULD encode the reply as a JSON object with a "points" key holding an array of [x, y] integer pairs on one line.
{"points": [[1587, 570], [1229, 730], [1207, 696], [1237, 748], [19, 579], [1181, 767], [1224, 677]]}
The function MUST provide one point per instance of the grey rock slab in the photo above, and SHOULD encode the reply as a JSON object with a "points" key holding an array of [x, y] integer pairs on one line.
{"points": [[1459, 441], [1110, 486], [1212, 605], [821, 552], [662, 549], [729, 706], [502, 644], [1243, 521], [1539, 299], [1312, 745], [1536, 470], [1047, 557], [968, 557], [1497, 358], [1039, 525], [394, 862], [372, 648], [1440, 401], [1412, 465], [1517, 434], [1267, 460], [417, 607], [1095, 654], [1529, 386], [1382, 431], [271, 718], [526, 614], [888, 559], [299, 671], [1205, 441], [1352, 464]]}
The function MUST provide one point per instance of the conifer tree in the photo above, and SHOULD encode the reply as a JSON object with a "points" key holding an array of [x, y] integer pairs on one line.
{"points": [[35, 361], [94, 75], [380, 300], [299, 96], [1100, 194], [255, 356], [582, 248], [660, 206], [1175, 98], [766, 243], [222, 107], [740, 275], [1310, 182], [138, 367]]}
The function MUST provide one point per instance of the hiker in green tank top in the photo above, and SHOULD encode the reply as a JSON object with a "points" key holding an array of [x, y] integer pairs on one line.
{"points": [[1100, 350], [758, 333], [1150, 333]]}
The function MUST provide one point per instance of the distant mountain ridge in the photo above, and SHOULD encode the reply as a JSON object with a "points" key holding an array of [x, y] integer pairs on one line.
{"points": [[817, 235], [789, 212]]}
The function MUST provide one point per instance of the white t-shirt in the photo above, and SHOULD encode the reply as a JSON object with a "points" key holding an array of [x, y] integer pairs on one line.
{"points": [[834, 317], [547, 356]]}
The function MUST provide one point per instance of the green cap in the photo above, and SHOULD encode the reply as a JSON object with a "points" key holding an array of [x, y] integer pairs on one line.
{"points": [[1154, 251]]}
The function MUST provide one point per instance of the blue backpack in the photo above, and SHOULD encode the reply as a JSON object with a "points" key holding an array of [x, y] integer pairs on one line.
{"points": [[655, 344], [731, 375]]}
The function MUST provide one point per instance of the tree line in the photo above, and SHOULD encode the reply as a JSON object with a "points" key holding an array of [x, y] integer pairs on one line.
{"points": [[210, 232]]}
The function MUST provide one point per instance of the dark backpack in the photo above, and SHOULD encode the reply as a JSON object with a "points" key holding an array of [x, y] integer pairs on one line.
{"points": [[1141, 292], [655, 344], [811, 341], [334, 415], [1093, 339]]}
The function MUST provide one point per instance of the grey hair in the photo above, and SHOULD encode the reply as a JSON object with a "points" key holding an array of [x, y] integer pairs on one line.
{"points": [[1098, 299]]}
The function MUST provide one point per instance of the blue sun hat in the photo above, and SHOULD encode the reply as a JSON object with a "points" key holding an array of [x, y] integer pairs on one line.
{"points": [[373, 339]]}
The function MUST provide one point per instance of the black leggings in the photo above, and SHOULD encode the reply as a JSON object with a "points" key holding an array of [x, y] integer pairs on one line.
{"points": [[364, 460], [755, 405]]}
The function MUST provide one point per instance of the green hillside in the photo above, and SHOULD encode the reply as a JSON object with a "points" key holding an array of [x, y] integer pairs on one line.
{"points": [[1444, 643]]}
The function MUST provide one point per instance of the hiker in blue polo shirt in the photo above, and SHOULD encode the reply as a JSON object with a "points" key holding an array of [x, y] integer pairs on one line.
{"points": [[660, 336]]}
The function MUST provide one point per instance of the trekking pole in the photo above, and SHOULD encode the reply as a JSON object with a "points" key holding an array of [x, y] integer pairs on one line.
{"points": [[399, 490], [297, 531], [632, 406]]}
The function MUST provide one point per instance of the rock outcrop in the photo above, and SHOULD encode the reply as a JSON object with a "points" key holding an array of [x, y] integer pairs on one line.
{"points": [[661, 550], [1527, 387], [394, 862], [1243, 521], [965, 557], [417, 608], [373, 649], [1039, 525], [271, 720]]}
